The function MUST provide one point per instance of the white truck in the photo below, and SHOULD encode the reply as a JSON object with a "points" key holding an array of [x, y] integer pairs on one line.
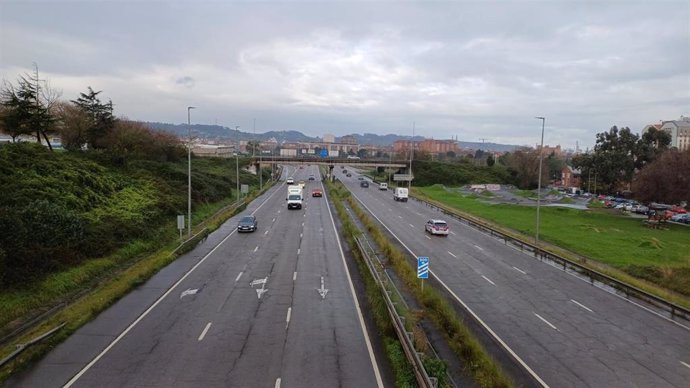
{"points": [[383, 186], [400, 194], [294, 197]]}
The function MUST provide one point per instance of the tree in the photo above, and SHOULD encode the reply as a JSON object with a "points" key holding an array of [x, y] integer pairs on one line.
{"points": [[667, 179], [523, 166], [555, 166], [73, 125], [26, 108], [100, 116], [362, 153], [450, 155], [490, 161], [651, 145]]}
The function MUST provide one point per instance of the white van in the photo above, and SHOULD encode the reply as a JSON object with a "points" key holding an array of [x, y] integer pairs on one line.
{"points": [[383, 186], [400, 194]]}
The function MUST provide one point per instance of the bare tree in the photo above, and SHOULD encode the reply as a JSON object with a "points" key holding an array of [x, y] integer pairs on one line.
{"points": [[666, 179]]}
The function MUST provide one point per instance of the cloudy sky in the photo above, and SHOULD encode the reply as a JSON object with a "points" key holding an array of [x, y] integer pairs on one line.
{"points": [[471, 69]]}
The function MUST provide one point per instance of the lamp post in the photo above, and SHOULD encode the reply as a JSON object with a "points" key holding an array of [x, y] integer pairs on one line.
{"points": [[237, 161], [409, 183], [541, 157], [189, 172]]}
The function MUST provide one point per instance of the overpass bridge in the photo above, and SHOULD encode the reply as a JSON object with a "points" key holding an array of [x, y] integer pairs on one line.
{"points": [[330, 162]]}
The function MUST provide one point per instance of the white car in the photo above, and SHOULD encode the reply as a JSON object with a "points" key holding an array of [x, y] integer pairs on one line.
{"points": [[436, 227], [290, 181]]}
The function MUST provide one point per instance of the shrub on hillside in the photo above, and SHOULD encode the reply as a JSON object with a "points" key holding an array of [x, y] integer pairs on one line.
{"points": [[133, 140]]}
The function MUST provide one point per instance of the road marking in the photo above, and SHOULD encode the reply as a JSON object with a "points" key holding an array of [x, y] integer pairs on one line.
{"points": [[399, 216], [451, 253], [488, 280], [322, 291], [238, 276], [581, 305], [545, 321], [688, 365], [305, 214], [420, 214], [188, 291], [298, 250], [303, 224], [300, 235], [277, 383], [274, 220], [478, 247], [266, 232], [256, 249], [451, 232], [519, 270], [203, 333], [287, 319], [294, 276], [411, 226], [427, 237]]}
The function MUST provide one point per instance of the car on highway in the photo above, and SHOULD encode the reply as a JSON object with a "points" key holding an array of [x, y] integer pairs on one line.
{"points": [[317, 193], [349, 175], [363, 184], [435, 226], [360, 177], [311, 177], [247, 224], [290, 181]]}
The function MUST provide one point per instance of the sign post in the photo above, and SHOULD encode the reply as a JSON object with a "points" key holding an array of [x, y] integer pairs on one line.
{"points": [[423, 269], [180, 225]]}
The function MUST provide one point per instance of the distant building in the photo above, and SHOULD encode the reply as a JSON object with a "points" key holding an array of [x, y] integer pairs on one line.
{"points": [[680, 132], [551, 150], [208, 150], [570, 177], [348, 139], [427, 145], [328, 138]]}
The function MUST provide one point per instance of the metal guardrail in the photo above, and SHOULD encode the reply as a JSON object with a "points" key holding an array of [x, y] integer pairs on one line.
{"points": [[628, 291], [405, 337], [22, 347]]}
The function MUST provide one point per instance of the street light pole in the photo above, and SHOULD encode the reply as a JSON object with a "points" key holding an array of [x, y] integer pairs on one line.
{"points": [[541, 157], [189, 172], [237, 161], [409, 183]]}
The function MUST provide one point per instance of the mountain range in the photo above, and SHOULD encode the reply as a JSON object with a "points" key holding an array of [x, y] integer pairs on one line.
{"points": [[220, 133]]}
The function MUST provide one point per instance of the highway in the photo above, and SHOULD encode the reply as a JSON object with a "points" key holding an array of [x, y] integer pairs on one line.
{"points": [[566, 331], [272, 308]]}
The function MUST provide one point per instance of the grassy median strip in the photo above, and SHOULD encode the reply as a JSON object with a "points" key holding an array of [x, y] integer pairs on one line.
{"points": [[478, 363], [627, 250], [110, 279]]}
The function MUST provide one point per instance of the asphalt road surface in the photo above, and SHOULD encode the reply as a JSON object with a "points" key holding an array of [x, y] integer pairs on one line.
{"points": [[272, 308], [566, 331]]}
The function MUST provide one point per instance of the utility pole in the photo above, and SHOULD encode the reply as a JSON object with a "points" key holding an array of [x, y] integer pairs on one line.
{"points": [[237, 161], [189, 173], [409, 183]]}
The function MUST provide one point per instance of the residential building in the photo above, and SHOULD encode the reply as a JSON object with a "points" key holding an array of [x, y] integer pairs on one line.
{"points": [[556, 151], [328, 138], [680, 132], [348, 139], [571, 177]]}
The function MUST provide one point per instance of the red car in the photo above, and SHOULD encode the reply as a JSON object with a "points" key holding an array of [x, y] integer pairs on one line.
{"points": [[316, 193]]}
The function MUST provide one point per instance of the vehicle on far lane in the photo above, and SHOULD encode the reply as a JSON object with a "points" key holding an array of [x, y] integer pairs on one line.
{"points": [[290, 181], [348, 175], [316, 193], [363, 184], [436, 227], [247, 224]]}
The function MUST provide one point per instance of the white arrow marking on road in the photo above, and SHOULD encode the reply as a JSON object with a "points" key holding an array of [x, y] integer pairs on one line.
{"points": [[260, 292], [203, 333], [258, 281], [277, 383], [188, 291], [322, 291]]}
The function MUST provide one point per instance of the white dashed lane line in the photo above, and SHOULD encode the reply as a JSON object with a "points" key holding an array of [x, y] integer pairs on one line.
{"points": [[581, 305], [238, 276], [451, 253], [411, 226], [287, 319], [203, 333], [266, 232], [545, 321], [488, 280], [256, 249], [686, 364], [478, 247], [428, 237]]}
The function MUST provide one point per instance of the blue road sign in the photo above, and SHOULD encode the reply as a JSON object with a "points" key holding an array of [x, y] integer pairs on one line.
{"points": [[324, 153], [423, 267]]}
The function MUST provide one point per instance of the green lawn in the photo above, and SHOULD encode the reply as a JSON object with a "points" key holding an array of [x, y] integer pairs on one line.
{"points": [[659, 256]]}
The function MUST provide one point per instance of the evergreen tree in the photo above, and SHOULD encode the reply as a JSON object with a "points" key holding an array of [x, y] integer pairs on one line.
{"points": [[100, 116]]}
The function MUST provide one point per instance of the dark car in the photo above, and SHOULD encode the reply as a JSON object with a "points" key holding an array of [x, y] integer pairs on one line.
{"points": [[349, 175], [247, 224], [360, 178], [364, 184], [311, 177]]}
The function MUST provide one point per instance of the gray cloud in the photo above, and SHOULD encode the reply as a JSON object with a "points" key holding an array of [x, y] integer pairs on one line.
{"points": [[471, 69]]}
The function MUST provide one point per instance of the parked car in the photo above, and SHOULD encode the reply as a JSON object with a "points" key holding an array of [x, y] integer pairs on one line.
{"points": [[247, 224], [434, 226], [316, 193]]}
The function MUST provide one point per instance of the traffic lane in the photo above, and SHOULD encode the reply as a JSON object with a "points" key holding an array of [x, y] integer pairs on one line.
{"points": [[324, 336], [165, 344], [69, 357], [552, 303]]}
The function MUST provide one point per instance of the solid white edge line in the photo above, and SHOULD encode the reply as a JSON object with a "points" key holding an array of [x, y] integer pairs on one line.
{"points": [[287, 319], [148, 310], [488, 280], [238, 277], [203, 333], [519, 270], [686, 364], [450, 253], [277, 383], [294, 276], [545, 321], [465, 306], [478, 247], [581, 305], [298, 250], [372, 357]]}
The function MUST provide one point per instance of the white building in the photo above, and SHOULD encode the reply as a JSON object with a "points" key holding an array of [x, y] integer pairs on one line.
{"points": [[680, 132], [328, 138]]}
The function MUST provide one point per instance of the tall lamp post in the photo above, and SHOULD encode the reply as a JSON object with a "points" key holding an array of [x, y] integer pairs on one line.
{"points": [[541, 157], [409, 183], [237, 161], [189, 172]]}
